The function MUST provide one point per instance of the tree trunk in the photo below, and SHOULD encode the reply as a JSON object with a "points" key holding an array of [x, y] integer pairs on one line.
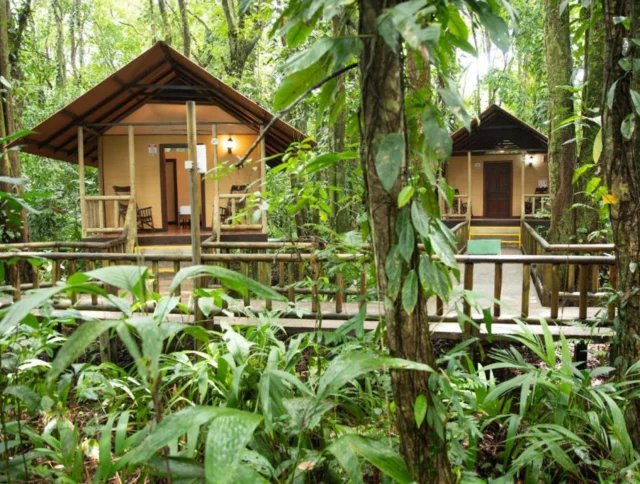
{"points": [[562, 151], [621, 159], [186, 36], [382, 113], [10, 162], [166, 28], [61, 60], [343, 219], [152, 20], [240, 46]]}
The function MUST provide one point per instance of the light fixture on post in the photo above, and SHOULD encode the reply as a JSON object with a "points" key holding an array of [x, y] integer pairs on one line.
{"points": [[530, 161], [229, 145]]}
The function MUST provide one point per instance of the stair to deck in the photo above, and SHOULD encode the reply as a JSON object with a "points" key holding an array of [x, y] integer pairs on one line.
{"points": [[506, 234]]}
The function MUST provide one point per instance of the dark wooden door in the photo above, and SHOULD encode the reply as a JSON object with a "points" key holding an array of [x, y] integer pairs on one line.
{"points": [[498, 183]]}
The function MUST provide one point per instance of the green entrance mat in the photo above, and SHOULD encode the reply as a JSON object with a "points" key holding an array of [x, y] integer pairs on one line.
{"points": [[483, 247]]}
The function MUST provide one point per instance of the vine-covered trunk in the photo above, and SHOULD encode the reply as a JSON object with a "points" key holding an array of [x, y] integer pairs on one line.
{"points": [[382, 113], [562, 146], [621, 158]]}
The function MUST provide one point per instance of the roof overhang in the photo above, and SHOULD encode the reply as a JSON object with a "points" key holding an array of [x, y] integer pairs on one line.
{"points": [[498, 131], [161, 75]]}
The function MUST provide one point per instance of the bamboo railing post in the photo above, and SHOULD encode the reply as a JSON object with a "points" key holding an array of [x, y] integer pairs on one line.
{"points": [[497, 289], [178, 290], [155, 268], [439, 307], [55, 270], [469, 185], [244, 270], [16, 283], [266, 280], [339, 292], [363, 286], [555, 292], [72, 271], [526, 284], [583, 291], [91, 265], [613, 282], [291, 282], [466, 307]]}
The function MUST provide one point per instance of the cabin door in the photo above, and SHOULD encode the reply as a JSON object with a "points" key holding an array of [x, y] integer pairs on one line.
{"points": [[498, 181], [171, 190]]}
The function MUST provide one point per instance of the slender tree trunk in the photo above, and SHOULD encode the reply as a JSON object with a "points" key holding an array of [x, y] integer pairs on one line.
{"points": [[166, 28], [10, 162], [61, 60], [562, 151], [186, 35], [382, 113], [152, 18], [343, 218], [621, 159]]}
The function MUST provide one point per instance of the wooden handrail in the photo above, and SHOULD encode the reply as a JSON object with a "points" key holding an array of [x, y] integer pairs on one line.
{"points": [[107, 198], [547, 247]]}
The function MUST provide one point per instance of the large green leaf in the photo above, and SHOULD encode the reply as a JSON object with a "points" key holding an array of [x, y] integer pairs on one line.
{"points": [[348, 459], [80, 339], [497, 29], [227, 438], [404, 231], [30, 398], [349, 366], [378, 454], [172, 427], [420, 219], [231, 279], [294, 85], [389, 159], [410, 292], [393, 269], [310, 56], [128, 278]]}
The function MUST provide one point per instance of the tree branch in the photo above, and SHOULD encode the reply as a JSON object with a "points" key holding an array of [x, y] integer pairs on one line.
{"points": [[286, 110]]}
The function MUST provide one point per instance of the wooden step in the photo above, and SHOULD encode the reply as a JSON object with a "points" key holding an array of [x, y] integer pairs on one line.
{"points": [[506, 235]]}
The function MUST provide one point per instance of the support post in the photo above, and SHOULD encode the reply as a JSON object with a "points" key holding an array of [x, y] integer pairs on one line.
{"points": [[132, 164], [263, 175], [522, 168], [468, 186], [101, 203], [194, 198], [216, 183], [83, 200]]}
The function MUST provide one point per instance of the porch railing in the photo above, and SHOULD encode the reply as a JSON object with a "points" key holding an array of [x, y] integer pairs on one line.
{"points": [[459, 207], [96, 208], [535, 203], [312, 278], [575, 278]]}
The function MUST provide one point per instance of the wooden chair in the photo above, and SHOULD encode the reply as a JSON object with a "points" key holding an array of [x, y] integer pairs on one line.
{"points": [[144, 215], [463, 205], [226, 212]]}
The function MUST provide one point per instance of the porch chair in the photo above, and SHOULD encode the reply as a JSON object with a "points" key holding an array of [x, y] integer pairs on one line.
{"points": [[225, 212], [463, 205], [144, 215]]}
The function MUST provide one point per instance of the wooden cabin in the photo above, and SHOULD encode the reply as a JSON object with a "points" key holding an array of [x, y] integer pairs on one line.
{"points": [[499, 169], [133, 128]]}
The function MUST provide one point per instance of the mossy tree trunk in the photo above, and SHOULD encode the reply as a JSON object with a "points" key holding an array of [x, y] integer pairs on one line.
{"points": [[562, 150], [621, 159], [382, 113]]}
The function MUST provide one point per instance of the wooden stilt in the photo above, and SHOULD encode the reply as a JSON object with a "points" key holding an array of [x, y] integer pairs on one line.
{"points": [[81, 175]]}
